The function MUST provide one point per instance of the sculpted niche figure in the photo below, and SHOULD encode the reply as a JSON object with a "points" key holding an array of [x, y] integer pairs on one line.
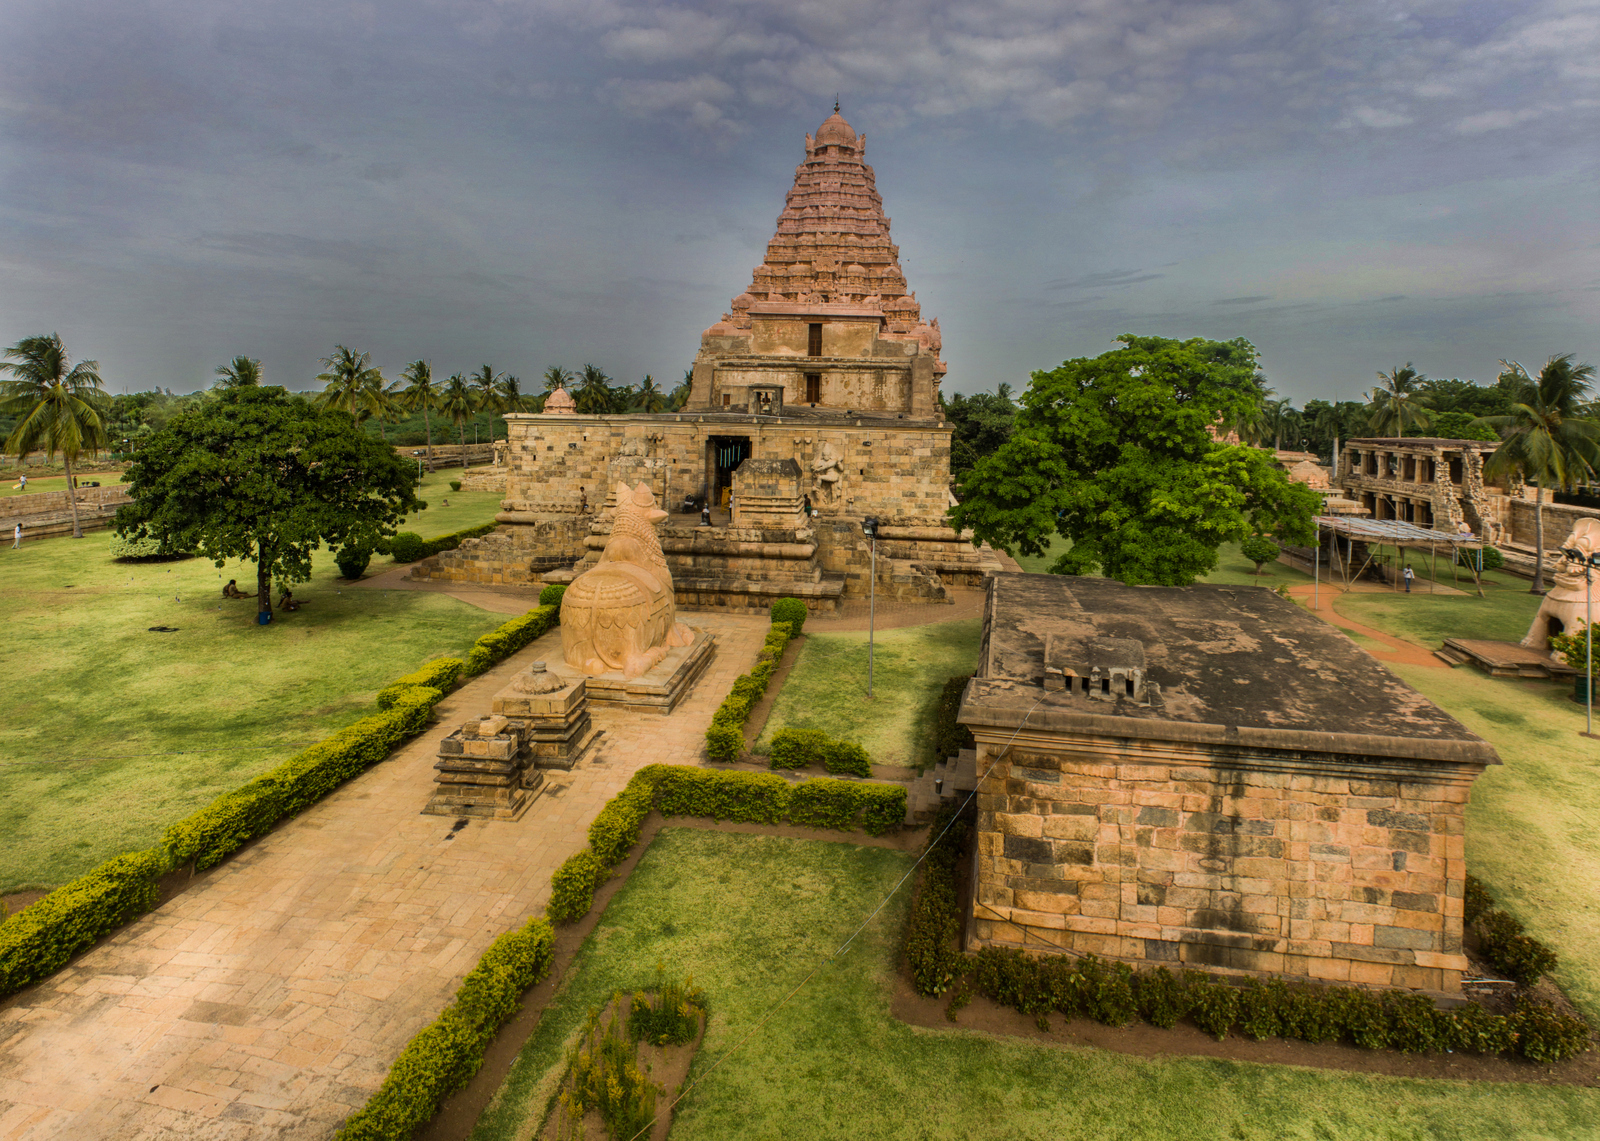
{"points": [[620, 614]]}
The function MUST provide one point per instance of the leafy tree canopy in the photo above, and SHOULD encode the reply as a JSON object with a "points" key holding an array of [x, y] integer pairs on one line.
{"points": [[1115, 454], [980, 424], [258, 473]]}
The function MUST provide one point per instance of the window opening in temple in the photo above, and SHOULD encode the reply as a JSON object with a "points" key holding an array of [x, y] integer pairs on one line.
{"points": [[813, 386], [1455, 471], [728, 452], [814, 341], [727, 399]]}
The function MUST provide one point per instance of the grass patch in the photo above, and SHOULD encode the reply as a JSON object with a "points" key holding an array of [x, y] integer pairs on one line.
{"points": [[113, 732], [10, 485], [827, 688], [1233, 569], [467, 508], [1502, 615], [748, 916], [1530, 824]]}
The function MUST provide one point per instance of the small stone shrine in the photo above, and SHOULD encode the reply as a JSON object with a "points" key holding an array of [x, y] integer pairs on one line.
{"points": [[1210, 776], [553, 712], [814, 404], [484, 770]]}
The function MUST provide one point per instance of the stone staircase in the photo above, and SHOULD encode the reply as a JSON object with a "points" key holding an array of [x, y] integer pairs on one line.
{"points": [[945, 782]]}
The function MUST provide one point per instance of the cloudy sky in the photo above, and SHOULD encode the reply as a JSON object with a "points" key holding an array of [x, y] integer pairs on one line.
{"points": [[1351, 184]]}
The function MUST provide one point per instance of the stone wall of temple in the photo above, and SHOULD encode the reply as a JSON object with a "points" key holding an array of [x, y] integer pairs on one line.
{"points": [[1164, 853]]}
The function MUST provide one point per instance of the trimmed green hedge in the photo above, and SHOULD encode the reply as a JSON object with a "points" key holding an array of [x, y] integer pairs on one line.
{"points": [[949, 735], [802, 748], [725, 734], [572, 887], [1519, 957], [440, 674], [500, 643], [409, 547], [36, 941], [792, 611], [227, 823], [551, 594], [448, 1052]]}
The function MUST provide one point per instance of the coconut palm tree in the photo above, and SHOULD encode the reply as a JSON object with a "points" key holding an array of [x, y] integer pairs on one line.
{"points": [[486, 386], [421, 395], [680, 395], [510, 395], [557, 377], [352, 383], [649, 398], [239, 372], [58, 408], [1546, 439], [1398, 404], [458, 401], [594, 392]]}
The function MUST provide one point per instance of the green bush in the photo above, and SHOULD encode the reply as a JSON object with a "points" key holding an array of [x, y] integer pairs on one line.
{"points": [[950, 736], [931, 953], [227, 823], [667, 1015], [440, 674], [151, 548], [1259, 549], [445, 1055], [1213, 1008], [797, 748], [1493, 559], [1543, 1035], [408, 547], [572, 887], [846, 757], [455, 485], [352, 561], [616, 828], [551, 594], [36, 941], [752, 798], [1519, 957], [724, 742], [500, 643], [1162, 998], [841, 804], [792, 611], [1477, 901]]}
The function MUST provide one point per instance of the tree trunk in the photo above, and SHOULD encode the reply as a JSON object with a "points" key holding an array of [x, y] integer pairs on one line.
{"points": [[1538, 539], [263, 582], [427, 426], [461, 427], [72, 498]]}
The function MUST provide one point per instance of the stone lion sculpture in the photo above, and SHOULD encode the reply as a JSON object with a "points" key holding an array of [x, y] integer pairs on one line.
{"points": [[1565, 607], [620, 613]]}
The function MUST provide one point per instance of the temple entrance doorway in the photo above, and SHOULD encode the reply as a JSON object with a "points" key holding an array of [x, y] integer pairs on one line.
{"points": [[724, 454]]}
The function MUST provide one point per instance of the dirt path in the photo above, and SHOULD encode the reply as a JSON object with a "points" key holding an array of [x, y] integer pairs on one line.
{"points": [[1395, 649]]}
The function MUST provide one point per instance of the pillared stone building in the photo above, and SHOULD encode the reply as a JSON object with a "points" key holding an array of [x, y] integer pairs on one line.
{"points": [[814, 405]]}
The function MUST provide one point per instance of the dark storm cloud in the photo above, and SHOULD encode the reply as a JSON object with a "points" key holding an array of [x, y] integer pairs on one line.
{"points": [[566, 180]]}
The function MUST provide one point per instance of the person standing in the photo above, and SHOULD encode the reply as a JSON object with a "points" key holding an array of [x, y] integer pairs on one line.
{"points": [[24, 483], [1408, 576], [16, 537]]}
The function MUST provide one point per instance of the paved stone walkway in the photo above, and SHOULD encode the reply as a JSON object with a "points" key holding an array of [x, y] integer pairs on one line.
{"points": [[270, 999]]}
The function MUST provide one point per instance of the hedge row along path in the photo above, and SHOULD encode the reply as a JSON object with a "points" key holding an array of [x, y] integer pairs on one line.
{"points": [[271, 997]]}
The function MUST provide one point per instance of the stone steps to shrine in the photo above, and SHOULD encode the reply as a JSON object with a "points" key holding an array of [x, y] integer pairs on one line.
{"points": [[946, 781]]}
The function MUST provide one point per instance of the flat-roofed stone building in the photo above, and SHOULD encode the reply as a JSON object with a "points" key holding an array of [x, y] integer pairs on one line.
{"points": [[824, 372], [1431, 482], [1210, 776]]}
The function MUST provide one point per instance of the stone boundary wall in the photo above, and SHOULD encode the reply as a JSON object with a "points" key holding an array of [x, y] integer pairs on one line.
{"points": [[1559, 519], [484, 479], [1340, 869], [47, 513]]}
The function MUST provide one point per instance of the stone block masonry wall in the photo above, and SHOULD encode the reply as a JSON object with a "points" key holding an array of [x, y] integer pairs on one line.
{"points": [[1337, 869], [47, 513]]}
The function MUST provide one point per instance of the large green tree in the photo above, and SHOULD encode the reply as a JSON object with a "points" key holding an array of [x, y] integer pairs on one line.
{"points": [[260, 474], [979, 424], [58, 406], [595, 396], [239, 371], [1114, 453], [1399, 403], [352, 383], [458, 401], [420, 394], [486, 388], [1547, 439]]}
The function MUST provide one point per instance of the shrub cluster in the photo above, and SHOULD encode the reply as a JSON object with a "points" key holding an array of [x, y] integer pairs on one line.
{"points": [[352, 561], [668, 1014], [725, 734], [802, 748], [445, 1054], [37, 940], [409, 547], [1521, 958], [503, 641], [935, 923], [440, 674], [551, 594], [150, 548], [1113, 993], [223, 826], [950, 736], [791, 611]]}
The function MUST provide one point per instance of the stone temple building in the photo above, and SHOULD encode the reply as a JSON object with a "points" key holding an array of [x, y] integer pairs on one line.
{"points": [[1430, 482], [1211, 776], [814, 405]]}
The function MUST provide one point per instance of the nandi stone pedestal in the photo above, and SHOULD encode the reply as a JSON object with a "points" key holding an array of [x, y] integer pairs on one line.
{"points": [[483, 770], [553, 712]]}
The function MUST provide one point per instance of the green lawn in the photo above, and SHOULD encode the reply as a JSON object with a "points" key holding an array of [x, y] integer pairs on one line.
{"points": [[1232, 568], [827, 689], [467, 508], [750, 916], [112, 731], [1503, 614], [9, 484]]}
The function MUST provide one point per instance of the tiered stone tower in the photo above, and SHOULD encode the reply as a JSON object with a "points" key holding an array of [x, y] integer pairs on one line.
{"points": [[814, 404]]}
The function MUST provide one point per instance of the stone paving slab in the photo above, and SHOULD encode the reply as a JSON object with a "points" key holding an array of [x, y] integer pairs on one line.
{"points": [[271, 999]]}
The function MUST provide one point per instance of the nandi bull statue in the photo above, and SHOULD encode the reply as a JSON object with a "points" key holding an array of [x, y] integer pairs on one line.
{"points": [[619, 614]]}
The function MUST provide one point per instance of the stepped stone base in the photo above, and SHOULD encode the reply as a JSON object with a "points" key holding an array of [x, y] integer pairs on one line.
{"points": [[657, 690], [555, 723], [483, 772]]}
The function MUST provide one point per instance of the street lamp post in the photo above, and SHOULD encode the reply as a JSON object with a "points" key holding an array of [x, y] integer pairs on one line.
{"points": [[869, 527], [1588, 562]]}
